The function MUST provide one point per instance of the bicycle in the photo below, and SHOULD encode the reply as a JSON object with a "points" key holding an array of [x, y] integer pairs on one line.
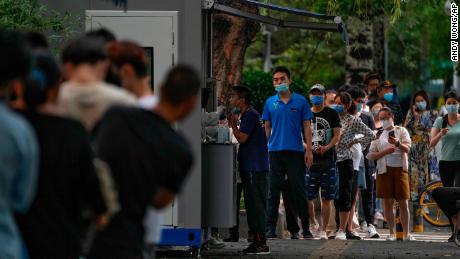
{"points": [[428, 207]]}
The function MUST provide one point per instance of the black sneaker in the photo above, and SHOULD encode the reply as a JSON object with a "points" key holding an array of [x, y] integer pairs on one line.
{"points": [[231, 239], [257, 248], [294, 236], [307, 235], [352, 236], [271, 235]]}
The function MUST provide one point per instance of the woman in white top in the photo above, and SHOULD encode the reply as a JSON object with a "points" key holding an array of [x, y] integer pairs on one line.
{"points": [[391, 152]]}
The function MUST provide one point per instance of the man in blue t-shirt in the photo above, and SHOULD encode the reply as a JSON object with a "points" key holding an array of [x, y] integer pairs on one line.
{"points": [[287, 118], [253, 165]]}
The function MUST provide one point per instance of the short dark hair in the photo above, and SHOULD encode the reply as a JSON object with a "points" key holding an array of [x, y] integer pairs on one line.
{"points": [[451, 94], [344, 88], [243, 92], [371, 76], [36, 40], [127, 52], [85, 49], [105, 34], [16, 58], [356, 92], [331, 91], [423, 94], [181, 83], [281, 69], [387, 109], [373, 102]]}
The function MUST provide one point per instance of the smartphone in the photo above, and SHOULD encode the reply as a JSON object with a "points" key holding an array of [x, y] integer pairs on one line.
{"points": [[391, 134]]}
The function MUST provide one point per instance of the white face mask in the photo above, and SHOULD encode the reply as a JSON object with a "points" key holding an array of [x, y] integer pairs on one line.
{"points": [[387, 123]]}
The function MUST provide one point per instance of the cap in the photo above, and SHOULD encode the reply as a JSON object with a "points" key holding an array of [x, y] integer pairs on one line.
{"points": [[318, 87], [388, 83]]}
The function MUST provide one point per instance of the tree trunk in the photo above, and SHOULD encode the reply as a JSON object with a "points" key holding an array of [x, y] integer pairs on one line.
{"points": [[359, 60], [231, 37], [378, 31]]}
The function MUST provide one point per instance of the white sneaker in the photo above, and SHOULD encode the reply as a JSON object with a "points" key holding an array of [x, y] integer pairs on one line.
{"points": [[372, 232], [323, 235], [363, 227], [315, 230], [340, 235], [409, 237], [391, 237]]}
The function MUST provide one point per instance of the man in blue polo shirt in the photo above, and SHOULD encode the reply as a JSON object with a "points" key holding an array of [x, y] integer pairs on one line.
{"points": [[287, 118], [253, 165]]}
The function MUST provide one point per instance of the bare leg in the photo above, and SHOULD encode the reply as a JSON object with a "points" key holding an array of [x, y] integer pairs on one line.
{"points": [[389, 214], [326, 206], [343, 218], [352, 212], [311, 212], [404, 212]]}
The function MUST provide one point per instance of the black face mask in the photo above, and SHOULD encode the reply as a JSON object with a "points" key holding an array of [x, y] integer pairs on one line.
{"points": [[112, 78]]}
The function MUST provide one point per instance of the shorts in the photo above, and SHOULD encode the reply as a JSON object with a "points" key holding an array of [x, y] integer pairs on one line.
{"points": [[393, 184], [326, 179]]}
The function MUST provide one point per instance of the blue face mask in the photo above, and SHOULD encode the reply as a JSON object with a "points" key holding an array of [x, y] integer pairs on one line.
{"points": [[282, 88], [388, 97], [421, 105], [452, 108], [236, 110], [317, 99], [338, 108]]}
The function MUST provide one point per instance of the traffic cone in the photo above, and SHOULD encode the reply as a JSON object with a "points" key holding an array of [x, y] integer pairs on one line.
{"points": [[399, 228], [418, 218]]}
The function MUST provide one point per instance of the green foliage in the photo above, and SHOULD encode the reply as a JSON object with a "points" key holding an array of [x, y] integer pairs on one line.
{"points": [[261, 86], [29, 15]]}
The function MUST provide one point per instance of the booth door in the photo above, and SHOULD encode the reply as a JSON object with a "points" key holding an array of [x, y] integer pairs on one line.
{"points": [[157, 33]]}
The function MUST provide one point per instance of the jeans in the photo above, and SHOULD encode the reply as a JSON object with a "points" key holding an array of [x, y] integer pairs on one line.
{"points": [[288, 164], [255, 191]]}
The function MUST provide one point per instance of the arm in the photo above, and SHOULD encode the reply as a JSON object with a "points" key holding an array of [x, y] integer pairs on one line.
{"points": [[268, 129], [241, 137], [335, 139], [405, 143], [361, 128], [436, 135], [375, 154], [307, 140]]}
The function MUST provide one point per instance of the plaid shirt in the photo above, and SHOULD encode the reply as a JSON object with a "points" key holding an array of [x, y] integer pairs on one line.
{"points": [[352, 126]]}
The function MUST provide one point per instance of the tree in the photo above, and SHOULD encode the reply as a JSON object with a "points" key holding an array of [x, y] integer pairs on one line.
{"points": [[231, 37]]}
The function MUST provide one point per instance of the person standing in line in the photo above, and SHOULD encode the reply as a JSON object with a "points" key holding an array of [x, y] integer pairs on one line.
{"points": [[149, 161], [372, 82], [323, 173], [84, 95], [390, 151], [419, 121], [19, 154], [447, 130], [55, 223], [330, 96], [253, 165], [386, 91], [351, 127], [287, 118]]}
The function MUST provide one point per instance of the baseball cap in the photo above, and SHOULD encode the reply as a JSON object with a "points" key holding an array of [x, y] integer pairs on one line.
{"points": [[318, 87]]}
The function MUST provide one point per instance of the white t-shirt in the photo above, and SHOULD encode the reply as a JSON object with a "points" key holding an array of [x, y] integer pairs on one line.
{"points": [[88, 102], [395, 159]]}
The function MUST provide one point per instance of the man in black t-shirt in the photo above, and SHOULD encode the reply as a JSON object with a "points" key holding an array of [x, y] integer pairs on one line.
{"points": [[148, 159], [325, 134]]}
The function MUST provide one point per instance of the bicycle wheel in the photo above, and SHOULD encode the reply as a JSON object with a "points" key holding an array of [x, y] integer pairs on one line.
{"points": [[429, 209]]}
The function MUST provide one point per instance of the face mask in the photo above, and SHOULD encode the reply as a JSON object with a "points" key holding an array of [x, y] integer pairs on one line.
{"points": [[387, 124], [236, 110], [359, 107], [388, 97], [282, 88], [317, 99], [375, 112], [421, 105], [452, 108], [338, 108]]}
